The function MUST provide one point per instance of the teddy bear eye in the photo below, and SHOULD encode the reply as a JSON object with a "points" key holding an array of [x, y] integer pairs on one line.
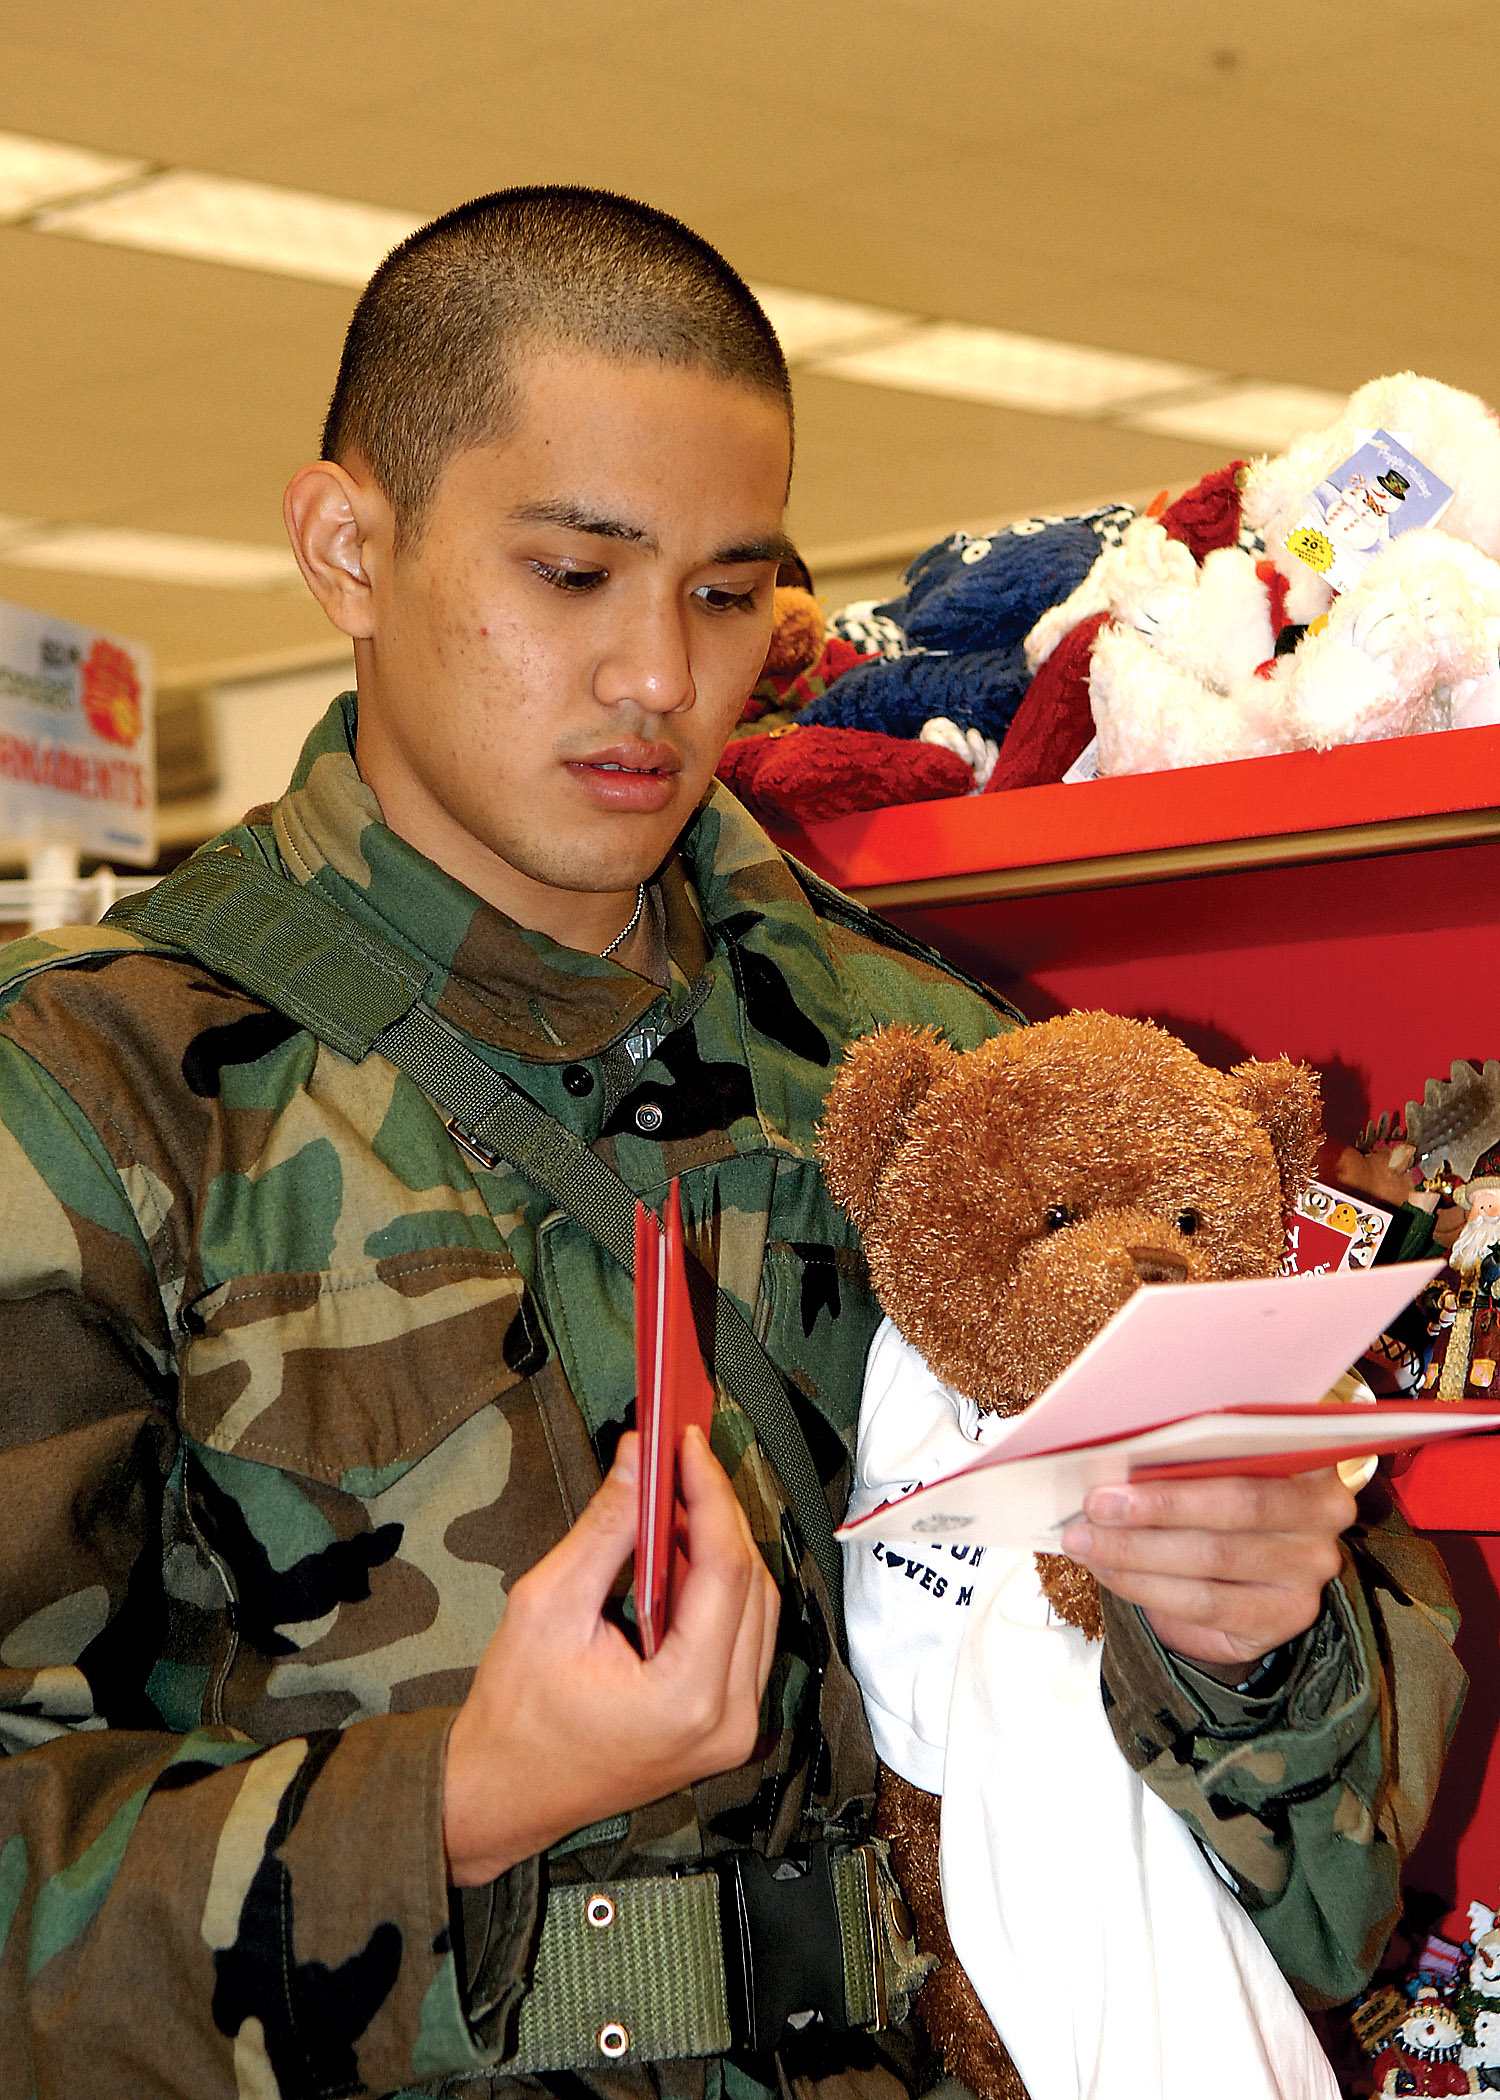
{"points": [[1187, 1221], [1055, 1216]]}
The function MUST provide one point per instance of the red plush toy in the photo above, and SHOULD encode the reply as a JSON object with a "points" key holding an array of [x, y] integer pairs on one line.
{"points": [[806, 776], [1054, 724]]}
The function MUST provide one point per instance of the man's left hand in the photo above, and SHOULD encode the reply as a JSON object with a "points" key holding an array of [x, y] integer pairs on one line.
{"points": [[1224, 1570]]}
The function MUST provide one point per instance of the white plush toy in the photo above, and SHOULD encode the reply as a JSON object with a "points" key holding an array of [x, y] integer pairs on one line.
{"points": [[1183, 672]]}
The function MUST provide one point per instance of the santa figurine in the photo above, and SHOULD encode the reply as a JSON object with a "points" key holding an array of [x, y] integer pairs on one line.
{"points": [[1474, 1253], [1473, 1342]]}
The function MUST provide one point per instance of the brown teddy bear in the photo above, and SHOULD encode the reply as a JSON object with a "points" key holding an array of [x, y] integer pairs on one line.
{"points": [[1010, 1198]]}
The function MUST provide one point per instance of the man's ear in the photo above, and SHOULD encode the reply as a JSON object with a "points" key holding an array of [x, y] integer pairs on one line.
{"points": [[881, 1080], [335, 523], [1286, 1101]]}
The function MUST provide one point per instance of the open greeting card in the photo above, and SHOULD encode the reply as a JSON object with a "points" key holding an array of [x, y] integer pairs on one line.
{"points": [[1185, 1381], [673, 1391]]}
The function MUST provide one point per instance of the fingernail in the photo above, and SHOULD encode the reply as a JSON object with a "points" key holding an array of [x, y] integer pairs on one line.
{"points": [[1076, 1539], [627, 1463], [1109, 1505]]}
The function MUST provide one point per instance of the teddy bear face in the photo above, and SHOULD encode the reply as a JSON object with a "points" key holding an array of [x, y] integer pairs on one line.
{"points": [[1013, 1197]]}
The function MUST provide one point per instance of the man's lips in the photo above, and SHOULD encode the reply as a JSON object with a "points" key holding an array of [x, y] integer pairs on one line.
{"points": [[633, 757], [639, 777]]}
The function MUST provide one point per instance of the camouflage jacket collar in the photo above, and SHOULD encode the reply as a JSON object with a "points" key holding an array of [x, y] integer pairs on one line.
{"points": [[724, 887]]}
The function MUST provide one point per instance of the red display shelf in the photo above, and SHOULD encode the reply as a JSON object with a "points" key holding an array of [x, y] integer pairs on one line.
{"points": [[1298, 806]]}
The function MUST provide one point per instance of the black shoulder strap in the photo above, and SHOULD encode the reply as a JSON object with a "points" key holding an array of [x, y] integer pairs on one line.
{"points": [[286, 944], [356, 992]]}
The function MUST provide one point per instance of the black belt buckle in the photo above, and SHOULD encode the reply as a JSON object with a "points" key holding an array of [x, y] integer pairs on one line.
{"points": [[783, 1950]]}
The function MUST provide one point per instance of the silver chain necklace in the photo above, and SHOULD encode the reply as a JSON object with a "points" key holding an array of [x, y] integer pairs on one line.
{"points": [[626, 931]]}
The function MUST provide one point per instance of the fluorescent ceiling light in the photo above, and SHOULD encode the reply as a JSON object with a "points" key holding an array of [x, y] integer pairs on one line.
{"points": [[1260, 417], [1011, 371], [145, 557], [38, 171], [251, 224], [807, 322]]}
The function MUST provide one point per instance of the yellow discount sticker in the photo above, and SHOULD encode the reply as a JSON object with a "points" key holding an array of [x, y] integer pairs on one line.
{"points": [[1311, 546]]}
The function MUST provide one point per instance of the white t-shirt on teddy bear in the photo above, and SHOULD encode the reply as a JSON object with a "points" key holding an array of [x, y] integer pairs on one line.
{"points": [[1109, 1954]]}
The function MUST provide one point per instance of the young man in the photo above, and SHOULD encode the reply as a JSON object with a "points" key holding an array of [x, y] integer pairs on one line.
{"points": [[332, 1768]]}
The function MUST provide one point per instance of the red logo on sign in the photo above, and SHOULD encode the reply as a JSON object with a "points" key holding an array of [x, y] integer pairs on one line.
{"points": [[111, 693]]}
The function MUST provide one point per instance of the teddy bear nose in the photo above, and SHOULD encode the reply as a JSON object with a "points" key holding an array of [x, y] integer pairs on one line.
{"points": [[1159, 1264]]}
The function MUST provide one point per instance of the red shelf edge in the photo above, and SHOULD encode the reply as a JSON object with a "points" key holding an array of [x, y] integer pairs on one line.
{"points": [[1292, 793]]}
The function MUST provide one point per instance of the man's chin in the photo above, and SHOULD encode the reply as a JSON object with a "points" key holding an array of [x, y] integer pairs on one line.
{"points": [[586, 871]]}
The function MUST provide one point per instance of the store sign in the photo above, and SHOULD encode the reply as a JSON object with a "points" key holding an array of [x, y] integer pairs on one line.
{"points": [[77, 753]]}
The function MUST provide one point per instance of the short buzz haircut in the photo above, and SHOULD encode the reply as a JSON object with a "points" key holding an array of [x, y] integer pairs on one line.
{"points": [[428, 363]]}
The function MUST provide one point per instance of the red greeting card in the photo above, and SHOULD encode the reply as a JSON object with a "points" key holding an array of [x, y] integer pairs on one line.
{"points": [[1330, 1229], [672, 1392]]}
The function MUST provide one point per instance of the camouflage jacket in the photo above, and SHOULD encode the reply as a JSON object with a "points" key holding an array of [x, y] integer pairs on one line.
{"points": [[291, 1390]]}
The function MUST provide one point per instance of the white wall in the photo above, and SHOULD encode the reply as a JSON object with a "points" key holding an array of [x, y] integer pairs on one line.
{"points": [[257, 726]]}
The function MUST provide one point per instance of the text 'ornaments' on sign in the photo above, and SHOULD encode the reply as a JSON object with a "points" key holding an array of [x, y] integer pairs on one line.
{"points": [[77, 751]]}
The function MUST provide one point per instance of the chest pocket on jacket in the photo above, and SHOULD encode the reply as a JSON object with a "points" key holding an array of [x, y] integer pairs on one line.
{"points": [[375, 1454], [349, 1375], [819, 1316]]}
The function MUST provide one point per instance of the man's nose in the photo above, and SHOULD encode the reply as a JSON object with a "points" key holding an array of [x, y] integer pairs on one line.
{"points": [[648, 662]]}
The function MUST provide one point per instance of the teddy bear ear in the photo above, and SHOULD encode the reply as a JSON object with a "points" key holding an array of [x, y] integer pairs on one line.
{"points": [[880, 1082], [1286, 1101]]}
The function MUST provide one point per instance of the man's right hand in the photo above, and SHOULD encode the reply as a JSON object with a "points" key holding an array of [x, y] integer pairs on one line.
{"points": [[565, 1723]]}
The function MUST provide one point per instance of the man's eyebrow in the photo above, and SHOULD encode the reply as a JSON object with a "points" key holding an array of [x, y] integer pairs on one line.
{"points": [[575, 518], [775, 547]]}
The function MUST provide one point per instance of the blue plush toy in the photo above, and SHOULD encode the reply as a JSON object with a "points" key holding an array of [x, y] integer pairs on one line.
{"points": [[952, 642]]}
